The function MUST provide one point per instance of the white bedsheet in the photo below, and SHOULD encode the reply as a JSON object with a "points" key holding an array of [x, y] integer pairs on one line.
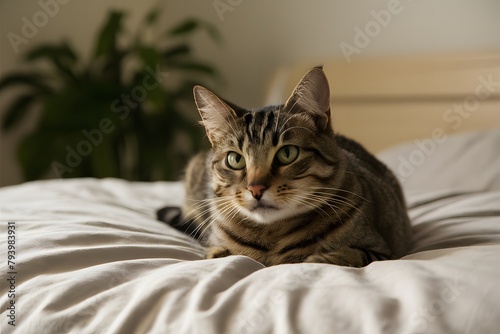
{"points": [[91, 258]]}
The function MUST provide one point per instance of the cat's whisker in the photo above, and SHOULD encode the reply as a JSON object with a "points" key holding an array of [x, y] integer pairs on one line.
{"points": [[208, 222], [277, 119], [224, 205], [336, 199], [338, 190], [332, 205], [208, 202], [304, 200], [295, 208], [324, 202], [290, 109], [310, 206], [298, 127], [288, 119], [334, 196], [328, 201], [339, 201]]}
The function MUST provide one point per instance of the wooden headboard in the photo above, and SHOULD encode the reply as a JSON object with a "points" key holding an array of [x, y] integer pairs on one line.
{"points": [[384, 101]]}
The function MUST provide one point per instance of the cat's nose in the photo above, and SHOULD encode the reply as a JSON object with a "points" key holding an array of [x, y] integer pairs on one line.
{"points": [[257, 190]]}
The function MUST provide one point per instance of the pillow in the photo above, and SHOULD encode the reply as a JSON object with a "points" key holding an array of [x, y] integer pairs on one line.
{"points": [[468, 161]]}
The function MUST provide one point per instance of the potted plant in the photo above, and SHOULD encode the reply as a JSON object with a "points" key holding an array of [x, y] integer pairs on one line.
{"points": [[124, 113]]}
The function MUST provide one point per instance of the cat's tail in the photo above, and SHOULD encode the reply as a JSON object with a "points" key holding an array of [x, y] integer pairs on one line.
{"points": [[172, 215]]}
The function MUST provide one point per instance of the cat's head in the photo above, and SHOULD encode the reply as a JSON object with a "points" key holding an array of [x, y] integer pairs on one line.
{"points": [[270, 163]]}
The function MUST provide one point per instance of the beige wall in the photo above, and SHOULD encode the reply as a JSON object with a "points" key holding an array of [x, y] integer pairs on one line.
{"points": [[262, 35]]}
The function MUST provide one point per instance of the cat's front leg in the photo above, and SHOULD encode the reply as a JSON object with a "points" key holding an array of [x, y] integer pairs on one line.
{"points": [[214, 252], [342, 256]]}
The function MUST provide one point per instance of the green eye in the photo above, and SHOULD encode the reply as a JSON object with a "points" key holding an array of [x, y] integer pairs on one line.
{"points": [[235, 161], [287, 154]]}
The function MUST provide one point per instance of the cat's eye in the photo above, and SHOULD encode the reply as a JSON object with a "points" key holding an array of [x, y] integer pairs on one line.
{"points": [[235, 160], [287, 154]]}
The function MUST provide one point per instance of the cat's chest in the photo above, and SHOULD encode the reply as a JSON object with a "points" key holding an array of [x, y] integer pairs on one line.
{"points": [[267, 245]]}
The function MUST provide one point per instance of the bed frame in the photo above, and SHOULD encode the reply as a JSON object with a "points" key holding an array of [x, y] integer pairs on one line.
{"points": [[388, 100]]}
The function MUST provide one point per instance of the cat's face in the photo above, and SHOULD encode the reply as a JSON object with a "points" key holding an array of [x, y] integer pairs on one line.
{"points": [[271, 163]]}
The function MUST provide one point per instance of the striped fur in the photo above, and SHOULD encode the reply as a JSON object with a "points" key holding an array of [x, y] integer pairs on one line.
{"points": [[335, 203]]}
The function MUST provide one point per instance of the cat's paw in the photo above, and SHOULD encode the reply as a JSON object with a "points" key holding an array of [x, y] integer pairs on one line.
{"points": [[217, 251], [343, 256]]}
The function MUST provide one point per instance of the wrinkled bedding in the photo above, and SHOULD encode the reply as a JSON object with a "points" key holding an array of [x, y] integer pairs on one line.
{"points": [[90, 257]]}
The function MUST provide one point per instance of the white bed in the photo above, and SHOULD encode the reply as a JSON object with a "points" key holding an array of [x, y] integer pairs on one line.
{"points": [[91, 258]]}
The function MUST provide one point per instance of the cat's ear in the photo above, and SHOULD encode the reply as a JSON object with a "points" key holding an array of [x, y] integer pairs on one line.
{"points": [[312, 95], [215, 113]]}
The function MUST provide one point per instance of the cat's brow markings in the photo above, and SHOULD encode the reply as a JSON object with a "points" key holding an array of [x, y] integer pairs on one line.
{"points": [[269, 124], [263, 128], [240, 142], [257, 123], [252, 128], [289, 118], [276, 123], [248, 121]]}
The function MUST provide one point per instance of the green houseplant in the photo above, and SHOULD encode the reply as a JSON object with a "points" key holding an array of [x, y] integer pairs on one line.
{"points": [[123, 113]]}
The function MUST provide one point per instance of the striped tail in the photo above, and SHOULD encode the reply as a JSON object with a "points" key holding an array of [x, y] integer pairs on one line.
{"points": [[172, 215]]}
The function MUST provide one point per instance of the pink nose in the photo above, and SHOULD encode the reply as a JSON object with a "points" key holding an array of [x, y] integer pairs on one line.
{"points": [[257, 190]]}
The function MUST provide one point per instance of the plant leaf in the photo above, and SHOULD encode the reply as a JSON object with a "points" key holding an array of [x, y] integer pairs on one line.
{"points": [[62, 56], [190, 25], [33, 79], [111, 69], [143, 143], [106, 42], [18, 110], [149, 56], [62, 52], [101, 159], [213, 32], [34, 154], [194, 66], [152, 16], [178, 50], [184, 27]]}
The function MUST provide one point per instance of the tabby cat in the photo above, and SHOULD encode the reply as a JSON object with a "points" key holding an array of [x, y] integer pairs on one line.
{"points": [[280, 186]]}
